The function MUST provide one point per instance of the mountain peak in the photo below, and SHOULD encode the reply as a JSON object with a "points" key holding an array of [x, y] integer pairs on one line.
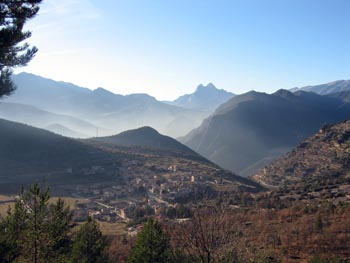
{"points": [[204, 98], [284, 94], [209, 86], [102, 91], [143, 96]]}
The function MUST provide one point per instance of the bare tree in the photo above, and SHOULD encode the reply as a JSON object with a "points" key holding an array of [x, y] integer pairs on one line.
{"points": [[207, 236]]}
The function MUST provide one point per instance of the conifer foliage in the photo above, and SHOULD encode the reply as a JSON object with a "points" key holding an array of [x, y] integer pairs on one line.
{"points": [[89, 244], [35, 231], [39, 231], [152, 245], [13, 52]]}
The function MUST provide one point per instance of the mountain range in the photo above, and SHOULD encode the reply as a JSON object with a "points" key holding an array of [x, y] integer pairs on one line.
{"points": [[107, 113], [327, 88], [36, 117], [252, 129], [243, 134]]}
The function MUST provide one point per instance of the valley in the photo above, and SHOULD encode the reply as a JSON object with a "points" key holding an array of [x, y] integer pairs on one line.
{"points": [[121, 181], [110, 181], [174, 131]]}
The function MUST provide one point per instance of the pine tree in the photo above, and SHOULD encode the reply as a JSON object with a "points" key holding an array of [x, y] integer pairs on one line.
{"points": [[59, 245], [34, 231], [34, 236], [8, 245], [89, 244], [13, 16], [152, 245]]}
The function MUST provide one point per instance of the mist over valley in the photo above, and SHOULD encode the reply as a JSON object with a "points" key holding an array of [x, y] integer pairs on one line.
{"points": [[174, 131]]}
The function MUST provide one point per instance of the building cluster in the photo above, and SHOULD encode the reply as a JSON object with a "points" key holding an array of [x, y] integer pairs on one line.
{"points": [[139, 185]]}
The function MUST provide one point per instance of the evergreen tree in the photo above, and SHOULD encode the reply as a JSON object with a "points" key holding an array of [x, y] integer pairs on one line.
{"points": [[32, 241], [89, 244], [59, 245], [34, 231], [8, 245], [152, 245], [13, 16]]}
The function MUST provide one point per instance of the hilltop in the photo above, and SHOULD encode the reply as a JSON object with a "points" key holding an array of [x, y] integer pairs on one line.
{"points": [[146, 137]]}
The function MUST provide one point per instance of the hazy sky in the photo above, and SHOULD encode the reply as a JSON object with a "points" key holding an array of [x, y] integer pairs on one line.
{"points": [[167, 47]]}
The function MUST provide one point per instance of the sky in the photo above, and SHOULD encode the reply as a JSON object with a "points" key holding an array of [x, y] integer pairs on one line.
{"points": [[166, 48]]}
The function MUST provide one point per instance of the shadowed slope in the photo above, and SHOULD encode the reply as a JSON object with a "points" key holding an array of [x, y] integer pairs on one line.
{"points": [[252, 129]]}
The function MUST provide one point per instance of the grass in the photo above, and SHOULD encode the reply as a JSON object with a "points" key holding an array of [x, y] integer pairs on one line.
{"points": [[112, 228], [5, 202], [4, 207], [69, 201], [5, 198]]}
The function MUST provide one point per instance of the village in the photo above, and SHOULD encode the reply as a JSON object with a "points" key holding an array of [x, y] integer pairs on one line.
{"points": [[140, 189]]}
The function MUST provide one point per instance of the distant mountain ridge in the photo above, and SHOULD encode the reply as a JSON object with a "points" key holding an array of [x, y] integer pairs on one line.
{"points": [[64, 131], [252, 129], [36, 117], [57, 96], [328, 88], [205, 98], [111, 113]]}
